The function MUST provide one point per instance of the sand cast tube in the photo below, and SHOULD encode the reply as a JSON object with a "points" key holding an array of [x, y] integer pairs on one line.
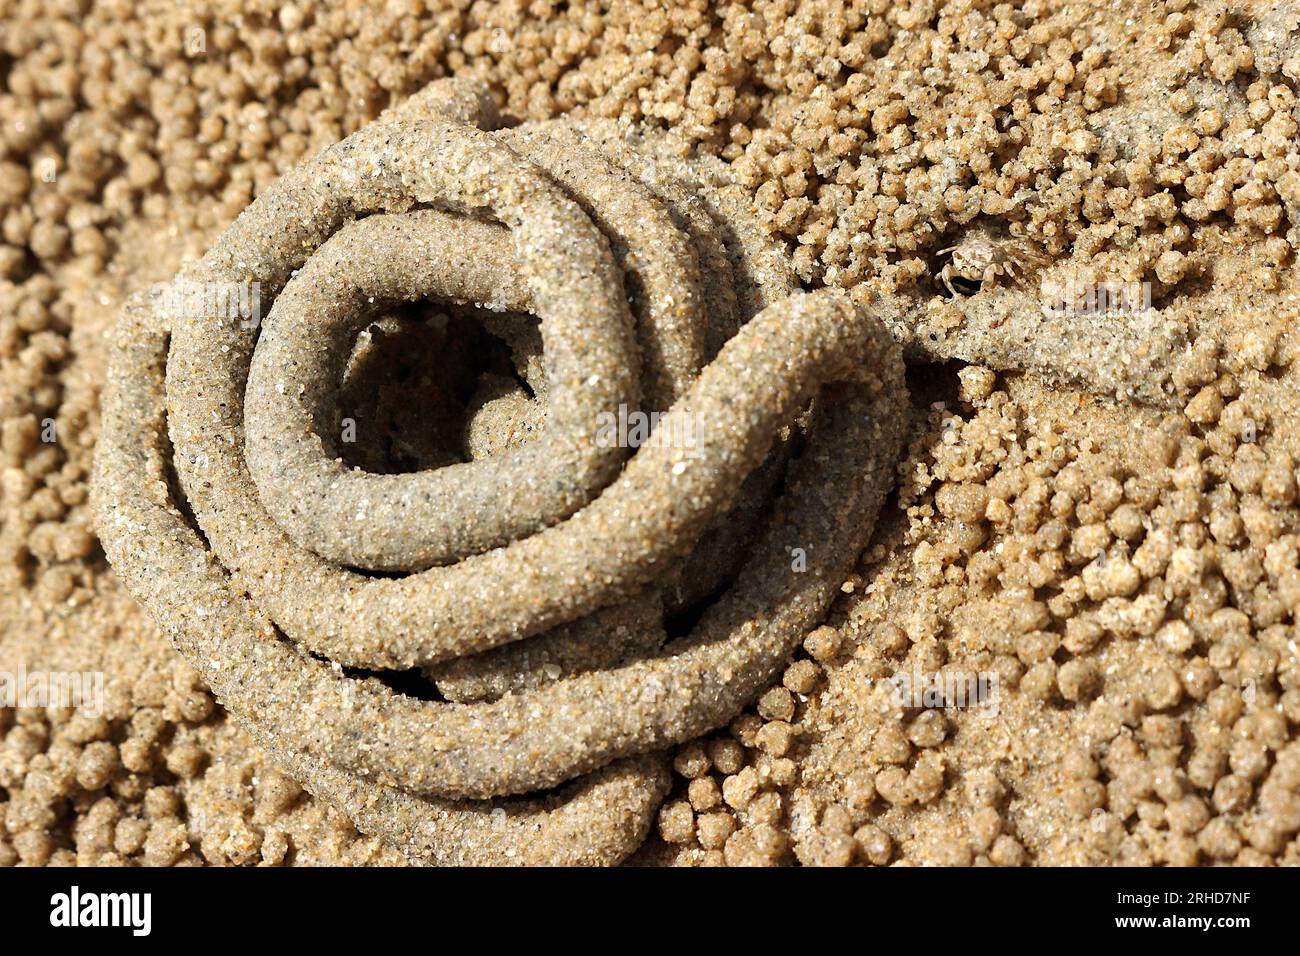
{"points": [[531, 585]]}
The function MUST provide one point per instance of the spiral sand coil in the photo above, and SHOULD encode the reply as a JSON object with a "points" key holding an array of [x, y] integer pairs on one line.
{"points": [[530, 585]]}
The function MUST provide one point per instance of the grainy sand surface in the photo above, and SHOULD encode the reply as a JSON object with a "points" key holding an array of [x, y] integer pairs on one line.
{"points": [[1095, 514]]}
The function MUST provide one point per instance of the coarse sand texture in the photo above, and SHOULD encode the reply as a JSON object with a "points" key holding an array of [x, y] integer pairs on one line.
{"points": [[965, 527]]}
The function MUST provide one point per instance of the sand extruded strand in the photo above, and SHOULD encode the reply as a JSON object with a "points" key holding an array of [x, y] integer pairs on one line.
{"points": [[405, 767]]}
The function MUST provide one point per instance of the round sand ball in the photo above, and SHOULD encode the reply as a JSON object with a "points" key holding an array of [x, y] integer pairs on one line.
{"points": [[928, 729], [691, 760], [873, 843], [836, 819], [677, 822], [891, 784], [166, 843], [34, 847], [99, 761], [767, 807], [1039, 682], [739, 789], [983, 826], [1163, 689], [1007, 851], [1171, 267], [162, 802], [827, 849], [745, 729], [776, 704], [727, 755], [275, 847], [94, 832], [801, 677], [776, 738], [129, 836], [1081, 634], [704, 794], [1188, 815], [976, 383], [926, 780], [714, 829], [963, 502], [823, 644], [1084, 796], [983, 788], [276, 793], [196, 706], [185, 760], [1219, 840], [891, 640], [243, 847], [82, 730], [761, 845], [1079, 765], [891, 745], [1078, 680], [1181, 850], [776, 771], [137, 755], [859, 792]]}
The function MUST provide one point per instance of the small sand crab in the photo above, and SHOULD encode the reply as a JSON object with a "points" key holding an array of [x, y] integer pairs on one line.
{"points": [[980, 258]]}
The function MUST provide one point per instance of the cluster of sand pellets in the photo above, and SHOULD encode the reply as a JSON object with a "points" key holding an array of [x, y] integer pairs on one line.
{"points": [[1096, 509]]}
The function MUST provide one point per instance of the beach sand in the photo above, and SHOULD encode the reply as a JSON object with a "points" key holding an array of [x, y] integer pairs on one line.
{"points": [[1094, 527]]}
